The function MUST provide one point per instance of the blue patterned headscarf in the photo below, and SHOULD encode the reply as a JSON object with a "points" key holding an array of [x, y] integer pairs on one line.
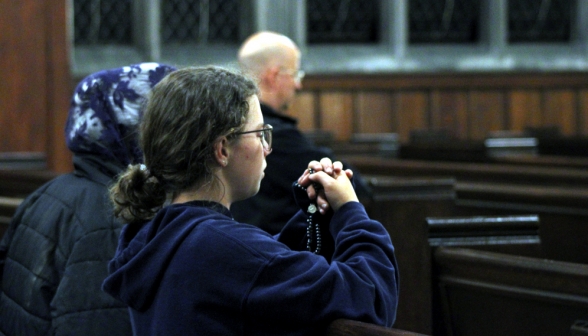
{"points": [[106, 108]]}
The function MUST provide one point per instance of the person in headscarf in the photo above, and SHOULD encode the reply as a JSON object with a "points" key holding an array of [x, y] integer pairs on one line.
{"points": [[54, 255]]}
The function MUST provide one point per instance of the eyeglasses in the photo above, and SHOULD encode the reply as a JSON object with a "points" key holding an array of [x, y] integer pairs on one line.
{"points": [[266, 136], [297, 75]]}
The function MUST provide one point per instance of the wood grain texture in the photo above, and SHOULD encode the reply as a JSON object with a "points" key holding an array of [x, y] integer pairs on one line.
{"points": [[411, 113], [337, 114], [560, 109], [23, 59], [449, 111], [59, 89], [486, 113], [375, 112], [524, 109], [303, 110]]}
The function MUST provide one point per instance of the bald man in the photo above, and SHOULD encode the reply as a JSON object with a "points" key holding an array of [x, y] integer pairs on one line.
{"points": [[274, 59]]}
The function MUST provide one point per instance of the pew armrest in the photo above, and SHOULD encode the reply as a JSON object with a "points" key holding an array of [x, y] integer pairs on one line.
{"points": [[580, 328], [344, 327]]}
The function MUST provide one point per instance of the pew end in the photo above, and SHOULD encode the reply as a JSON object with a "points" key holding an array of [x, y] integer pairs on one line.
{"points": [[579, 328], [514, 234], [489, 293], [20, 183], [345, 327], [8, 206]]}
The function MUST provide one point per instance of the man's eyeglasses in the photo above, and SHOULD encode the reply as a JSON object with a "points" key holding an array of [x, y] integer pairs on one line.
{"points": [[266, 136], [297, 75]]}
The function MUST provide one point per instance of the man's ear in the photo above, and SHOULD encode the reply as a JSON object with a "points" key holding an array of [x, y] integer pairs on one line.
{"points": [[269, 77], [221, 151]]}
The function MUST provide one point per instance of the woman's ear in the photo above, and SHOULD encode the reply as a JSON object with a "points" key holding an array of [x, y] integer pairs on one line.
{"points": [[221, 151]]}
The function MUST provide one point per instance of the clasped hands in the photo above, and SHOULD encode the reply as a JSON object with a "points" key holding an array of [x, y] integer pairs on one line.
{"points": [[335, 181]]}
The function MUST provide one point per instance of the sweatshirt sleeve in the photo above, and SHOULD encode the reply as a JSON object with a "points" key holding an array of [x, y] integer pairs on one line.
{"points": [[360, 282]]}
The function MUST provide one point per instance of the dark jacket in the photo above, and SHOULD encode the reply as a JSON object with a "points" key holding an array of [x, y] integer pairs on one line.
{"points": [[274, 204], [50, 284], [54, 256], [193, 270]]}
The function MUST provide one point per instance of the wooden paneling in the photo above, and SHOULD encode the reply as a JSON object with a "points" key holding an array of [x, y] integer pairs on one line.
{"points": [[449, 111], [59, 89], [23, 91], [468, 105], [337, 114], [411, 113], [303, 109], [560, 109], [486, 113], [448, 80], [583, 112], [35, 89], [374, 112], [524, 109]]}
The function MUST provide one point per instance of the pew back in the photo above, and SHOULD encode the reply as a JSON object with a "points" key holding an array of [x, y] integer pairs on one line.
{"points": [[8, 206], [488, 293], [344, 327], [403, 206]]}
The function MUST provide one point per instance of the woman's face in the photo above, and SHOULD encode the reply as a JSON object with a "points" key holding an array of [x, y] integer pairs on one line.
{"points": [[246, 165]]}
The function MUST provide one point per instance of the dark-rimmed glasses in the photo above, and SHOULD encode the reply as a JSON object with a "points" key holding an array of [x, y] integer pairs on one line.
{"points": [[266, 136]]}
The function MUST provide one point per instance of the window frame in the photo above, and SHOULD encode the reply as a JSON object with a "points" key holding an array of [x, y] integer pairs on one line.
{"points": [[392, 55]]}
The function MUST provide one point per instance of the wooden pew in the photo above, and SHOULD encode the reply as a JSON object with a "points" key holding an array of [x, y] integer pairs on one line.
{"points": [[563, 213], [403, 205], [16, 184], [579, 328], [20, 183], [344, 327], [23, 161], [491, 190], [471, 172], [8, 206], [535, 148], [489, 293], [418, 305]]}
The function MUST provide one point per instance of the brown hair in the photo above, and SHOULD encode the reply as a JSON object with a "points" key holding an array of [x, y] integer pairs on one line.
{"points": [[186, 112]]}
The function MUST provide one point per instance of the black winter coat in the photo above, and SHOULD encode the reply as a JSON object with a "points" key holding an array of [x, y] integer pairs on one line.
{"points": [[54, 258]]}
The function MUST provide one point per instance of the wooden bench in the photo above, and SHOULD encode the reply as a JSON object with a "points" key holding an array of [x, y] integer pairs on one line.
{"points": [[563, 213], [23, 161], [489, 293], [8, 206], [495, 190], [471, 172], [344, 327], [528, 150], [579, 328], [20, 183], [419, 214], [418, 304]]}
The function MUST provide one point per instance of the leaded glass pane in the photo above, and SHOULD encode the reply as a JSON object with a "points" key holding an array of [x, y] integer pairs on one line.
{"points": [[444, 21], [102, 22], [200, 21], [539, 20], [343, 21]]}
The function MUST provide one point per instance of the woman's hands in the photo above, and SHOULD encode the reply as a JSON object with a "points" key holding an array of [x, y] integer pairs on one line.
{"points": [[336, 188]]}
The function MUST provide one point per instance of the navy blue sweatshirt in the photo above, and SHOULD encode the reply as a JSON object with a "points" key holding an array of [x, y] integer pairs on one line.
{"points": [[193, 270]]}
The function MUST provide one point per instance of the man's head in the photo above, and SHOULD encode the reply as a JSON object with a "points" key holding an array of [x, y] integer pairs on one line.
{"points": [[274, 60]]}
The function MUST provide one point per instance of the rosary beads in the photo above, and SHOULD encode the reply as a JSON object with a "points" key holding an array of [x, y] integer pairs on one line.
{"points": [[313, 232]]}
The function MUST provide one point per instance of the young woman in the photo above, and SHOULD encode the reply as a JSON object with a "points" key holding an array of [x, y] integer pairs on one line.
{"points": [[185, 267]]}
